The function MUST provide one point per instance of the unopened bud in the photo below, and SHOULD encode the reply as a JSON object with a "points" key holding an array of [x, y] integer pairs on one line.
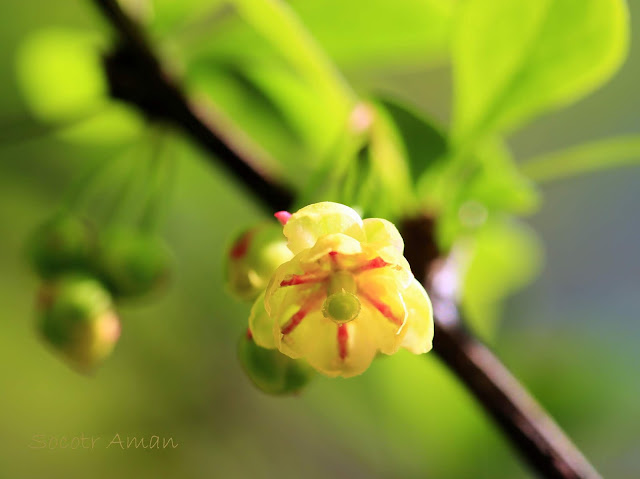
{"points": [[253, 258], [62, 244], [132, 263], [271, 371], [77, 318]]}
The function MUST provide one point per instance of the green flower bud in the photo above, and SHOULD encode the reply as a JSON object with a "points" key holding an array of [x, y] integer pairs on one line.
{"points": [[271, 371], [76, 317], [132, 263], [252, 259], [60, 245]]}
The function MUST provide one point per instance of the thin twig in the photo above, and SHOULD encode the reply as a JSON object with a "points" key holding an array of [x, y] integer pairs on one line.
{"points": [[135, 75]]}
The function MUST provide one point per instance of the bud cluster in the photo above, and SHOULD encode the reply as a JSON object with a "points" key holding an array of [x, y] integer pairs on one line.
{"points": [[84, 273]]}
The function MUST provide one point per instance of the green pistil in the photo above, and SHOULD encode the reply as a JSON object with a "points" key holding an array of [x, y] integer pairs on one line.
{"points": [[341, 305]]}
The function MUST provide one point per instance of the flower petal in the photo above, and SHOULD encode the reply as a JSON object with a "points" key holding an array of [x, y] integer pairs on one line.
{"points": [[382, 232], [334, 350], [397, 262], [311, 222], [314, 336], [285, 272], [381, 288], [261, 325], [419, 336], [386, 335], [333, 243], [360, 349]]}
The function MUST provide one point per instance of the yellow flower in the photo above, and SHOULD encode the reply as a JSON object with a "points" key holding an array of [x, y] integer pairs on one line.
{"points": [[346, 295]]}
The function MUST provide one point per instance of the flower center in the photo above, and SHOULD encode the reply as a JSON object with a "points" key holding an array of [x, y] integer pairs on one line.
{"points": [[341, 305]]}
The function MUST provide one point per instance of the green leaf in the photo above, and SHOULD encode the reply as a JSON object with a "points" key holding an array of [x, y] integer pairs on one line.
{"points": [[586, 158], [503, 257], [379, 33], [371, 166], [60, 74], [514, 60], [303, 104], [389, 187], [466, 194], [165, 16], [61, 77], [271, 105], [245, 110], [497, 183], [116, 123], [279, 26], [423, 142]]}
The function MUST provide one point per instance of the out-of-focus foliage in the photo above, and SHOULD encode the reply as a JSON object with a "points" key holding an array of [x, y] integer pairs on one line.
{"points": [[270, 74], [262, 56], [590, 157], [501, 258], [513, 60], [49, 61], [424, 143], [383, 34], [62, 80]]}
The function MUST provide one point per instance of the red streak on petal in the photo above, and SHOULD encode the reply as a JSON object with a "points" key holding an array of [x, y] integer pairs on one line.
{"points": [[242, 246], [384, 309], [375, 263], [343, 337], [249, 334], [283, 217], [296, 279], [294, 321]]}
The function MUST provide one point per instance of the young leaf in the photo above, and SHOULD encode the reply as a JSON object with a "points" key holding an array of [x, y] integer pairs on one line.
{"points": [[503, 257], [60, 74], [389, 167], [497, 182], [275, 59], [247, 110], [165, 16], [424, 143], [516, 59], [379, 33], [278, 25], [467, 194], [587, 158]]}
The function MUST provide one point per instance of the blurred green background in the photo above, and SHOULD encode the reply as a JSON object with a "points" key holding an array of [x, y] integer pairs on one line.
{"points": [[571, 336]]}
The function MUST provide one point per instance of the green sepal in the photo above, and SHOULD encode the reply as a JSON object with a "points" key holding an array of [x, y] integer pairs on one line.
{"points": [[271, 371]]}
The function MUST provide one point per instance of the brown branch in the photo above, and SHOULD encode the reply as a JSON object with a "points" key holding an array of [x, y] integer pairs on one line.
{"points": [[528, 426], [136, 76]]}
